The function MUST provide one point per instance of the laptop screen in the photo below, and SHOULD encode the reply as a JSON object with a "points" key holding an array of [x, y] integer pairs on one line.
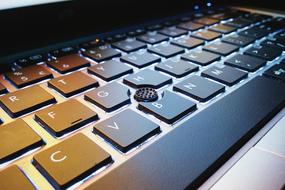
{"points": [[24, 3]]}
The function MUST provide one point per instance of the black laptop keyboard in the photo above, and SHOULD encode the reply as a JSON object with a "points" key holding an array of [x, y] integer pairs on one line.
{"points": [[190, 61]]}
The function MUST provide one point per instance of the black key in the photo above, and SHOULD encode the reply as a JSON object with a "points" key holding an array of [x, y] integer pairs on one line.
{"points": [[110, 70], [166, 50], [199, 88], [147, 78], [68, 63], [26, 100], [136, 32], [152, 38], [190, 26], [94, 43], [187, 42], [3, 89], [238, 40], [58, 162], [200, 57], [140, 59], [274, 44], [177, 68], [170, 108], [254, 17], [126, 130], [245, 62], [109, 97], [16, 139], [220, 48], [154, 27], [13, 172], [206, 21], [28, 75], [221, 28], [263, 52], [280, 36], [101, 53], [238, 23], [116, 38], [129, 45], [72, 84], [64, 51], [32, 60], [226, 75], [254, 32], [65, 117], [276, 72], [206, 35], [173, 32]]}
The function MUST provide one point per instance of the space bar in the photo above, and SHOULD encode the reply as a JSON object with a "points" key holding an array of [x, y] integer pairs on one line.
{"points": [[190, 153]]}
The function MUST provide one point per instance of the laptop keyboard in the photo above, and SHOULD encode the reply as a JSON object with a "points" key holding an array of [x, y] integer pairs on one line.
{"points": [[86, 91]]}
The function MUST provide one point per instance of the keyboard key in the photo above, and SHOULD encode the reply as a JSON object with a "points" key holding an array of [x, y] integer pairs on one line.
{"points": [[254, 17], [221, 28], [16, 139], [110, 97], [201, 57], [220, 48], [238, 40], [177, 68], [3, 89], [147, 78], [199, 88], [94, 43], [32, 60], [166, 50], [140, 59], [170, 108], [263, 52], [154, 27], [226, 75], [110, 70], [206, 35], [64, 51], [129, 45], [64, 164], [190, 26], [126, 130], [245, 62], [68, 63], [14, 173], [116, 38], [274, 44], [173, 32], [238, 23], [187, 42], [72, 84], [276, 72], [254, 32], [101, 53], [28, 75], [25, 100], [152, 38], [136, 32], [206, 21], [65, 117]]}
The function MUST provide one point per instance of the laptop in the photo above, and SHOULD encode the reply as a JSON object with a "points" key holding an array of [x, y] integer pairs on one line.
{"points": [[142, 95]]}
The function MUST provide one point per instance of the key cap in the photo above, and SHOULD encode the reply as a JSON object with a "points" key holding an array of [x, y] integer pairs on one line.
{"points": [[206, 21], [177, 68], [110, 97], [263, 52], [140, 59], [147, 78], [238, 40], [110, 70], [207, 129], [238, 23], [200, 57], [221, 28], [3, 89], [65, 117], [166, 50], [245, 62], [116, 38], [170, 108], [220, 48], [73, 84], [64, 51], [154, 27], [226, 75], [152, 38], [190, 26], [94, 43], [254, 17], [274, 44], [101, 53], [129, 45], [13, 172], [206, 35], [16, 139], [173, 32], [25, 100], [28, 75], [254, 32], [276, 72], [68, 63], [137, 32], [64, 164], [32, 60], [199, 88], [126, 130], [187, 42]]}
